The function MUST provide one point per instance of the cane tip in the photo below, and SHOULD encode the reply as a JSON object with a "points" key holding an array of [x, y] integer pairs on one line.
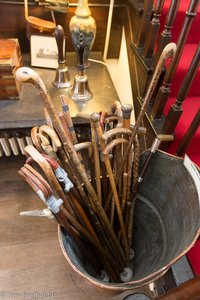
{"points": [[103, 276], [95, 117], [126, 275], [131, 254]]}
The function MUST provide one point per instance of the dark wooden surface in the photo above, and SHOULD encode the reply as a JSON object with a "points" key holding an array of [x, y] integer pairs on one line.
{"points": [[28, 111], [12, 13], [31, 261]]}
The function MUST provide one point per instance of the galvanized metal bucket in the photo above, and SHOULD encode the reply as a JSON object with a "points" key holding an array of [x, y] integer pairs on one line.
{"points": [[167, 224]]}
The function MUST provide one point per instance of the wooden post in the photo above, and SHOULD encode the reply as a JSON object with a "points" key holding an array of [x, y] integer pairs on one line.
{"points": [[164, 91], [176, 109], [166, 35], [189, 135], [153, 30], [189, 290], [143, 29]]}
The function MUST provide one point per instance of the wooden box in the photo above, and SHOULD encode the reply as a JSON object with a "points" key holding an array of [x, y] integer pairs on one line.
{"points": [[10, 60]]}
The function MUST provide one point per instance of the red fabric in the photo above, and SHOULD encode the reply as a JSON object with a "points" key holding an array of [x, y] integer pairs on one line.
{"points": [[194, 35], [191, 103], [184, 63], [194, 258], [190, 107]]}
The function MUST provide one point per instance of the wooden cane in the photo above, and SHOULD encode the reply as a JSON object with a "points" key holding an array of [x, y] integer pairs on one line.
{"points": [[41, 161], [126, 114], [116, 109], [35, 139], [38, 175], [64, 217], [48, 149], [88, 234], [67, 115], [168, 52], [26, 75], [35, 181], [112, 133], [95, 119], [49, 130], [96, 162], [157, 141]]}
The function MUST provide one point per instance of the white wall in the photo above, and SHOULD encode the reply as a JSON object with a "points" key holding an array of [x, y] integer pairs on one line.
{"points": [[120, 74]]}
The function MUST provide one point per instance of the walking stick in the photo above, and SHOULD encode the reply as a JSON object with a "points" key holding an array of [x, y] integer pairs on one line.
{"points": [[41, 161], [95, 119], [26, 75], [157, 141], [168, 52], [96, 162], [65, 218]]}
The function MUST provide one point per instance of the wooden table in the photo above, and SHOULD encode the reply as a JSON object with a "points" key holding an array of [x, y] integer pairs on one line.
{"points": [[28, 111], [32, 265]]}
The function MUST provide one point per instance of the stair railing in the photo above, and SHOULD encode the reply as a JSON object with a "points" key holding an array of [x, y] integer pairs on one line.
{"points": [[176, 109], [164, 91], [153, 30], [189, 135], [166, 35], [146, 18]]}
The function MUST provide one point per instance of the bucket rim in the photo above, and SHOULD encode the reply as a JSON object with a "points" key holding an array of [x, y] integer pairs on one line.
{"points": [[140, 282], [128, 285]]}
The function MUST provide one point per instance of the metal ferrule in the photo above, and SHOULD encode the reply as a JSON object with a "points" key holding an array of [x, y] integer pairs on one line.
{"points": [[155, 145], [54, 204], [62, 176], [126, 275], [140, 179], [14, 145], [41, 195]]}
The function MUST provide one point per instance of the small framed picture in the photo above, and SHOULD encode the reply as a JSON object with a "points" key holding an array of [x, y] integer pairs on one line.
{"points": [[44, 52]]}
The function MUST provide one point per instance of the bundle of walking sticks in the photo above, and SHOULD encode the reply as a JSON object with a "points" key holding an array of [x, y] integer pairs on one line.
{"points": [[95, 205]]}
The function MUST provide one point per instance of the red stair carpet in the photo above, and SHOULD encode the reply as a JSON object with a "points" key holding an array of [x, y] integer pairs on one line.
{"points": [[191, 103]]}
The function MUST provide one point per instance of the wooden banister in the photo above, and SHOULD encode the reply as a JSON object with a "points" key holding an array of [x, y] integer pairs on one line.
{"points": [[164, 91], [189, 290], [166, 35], [146, 17], [154, 29], [189, 135], [176, 109]]}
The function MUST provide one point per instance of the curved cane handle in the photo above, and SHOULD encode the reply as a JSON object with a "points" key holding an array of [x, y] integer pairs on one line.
{"points": [[25, 74], [51, 133], [60, 38]]}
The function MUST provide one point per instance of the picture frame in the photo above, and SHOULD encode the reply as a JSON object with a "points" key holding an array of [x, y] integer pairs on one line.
{"points": [[44, 51]]}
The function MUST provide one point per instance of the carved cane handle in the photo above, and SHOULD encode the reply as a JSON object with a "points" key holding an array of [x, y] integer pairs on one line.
{"points": [[60, 37]]}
